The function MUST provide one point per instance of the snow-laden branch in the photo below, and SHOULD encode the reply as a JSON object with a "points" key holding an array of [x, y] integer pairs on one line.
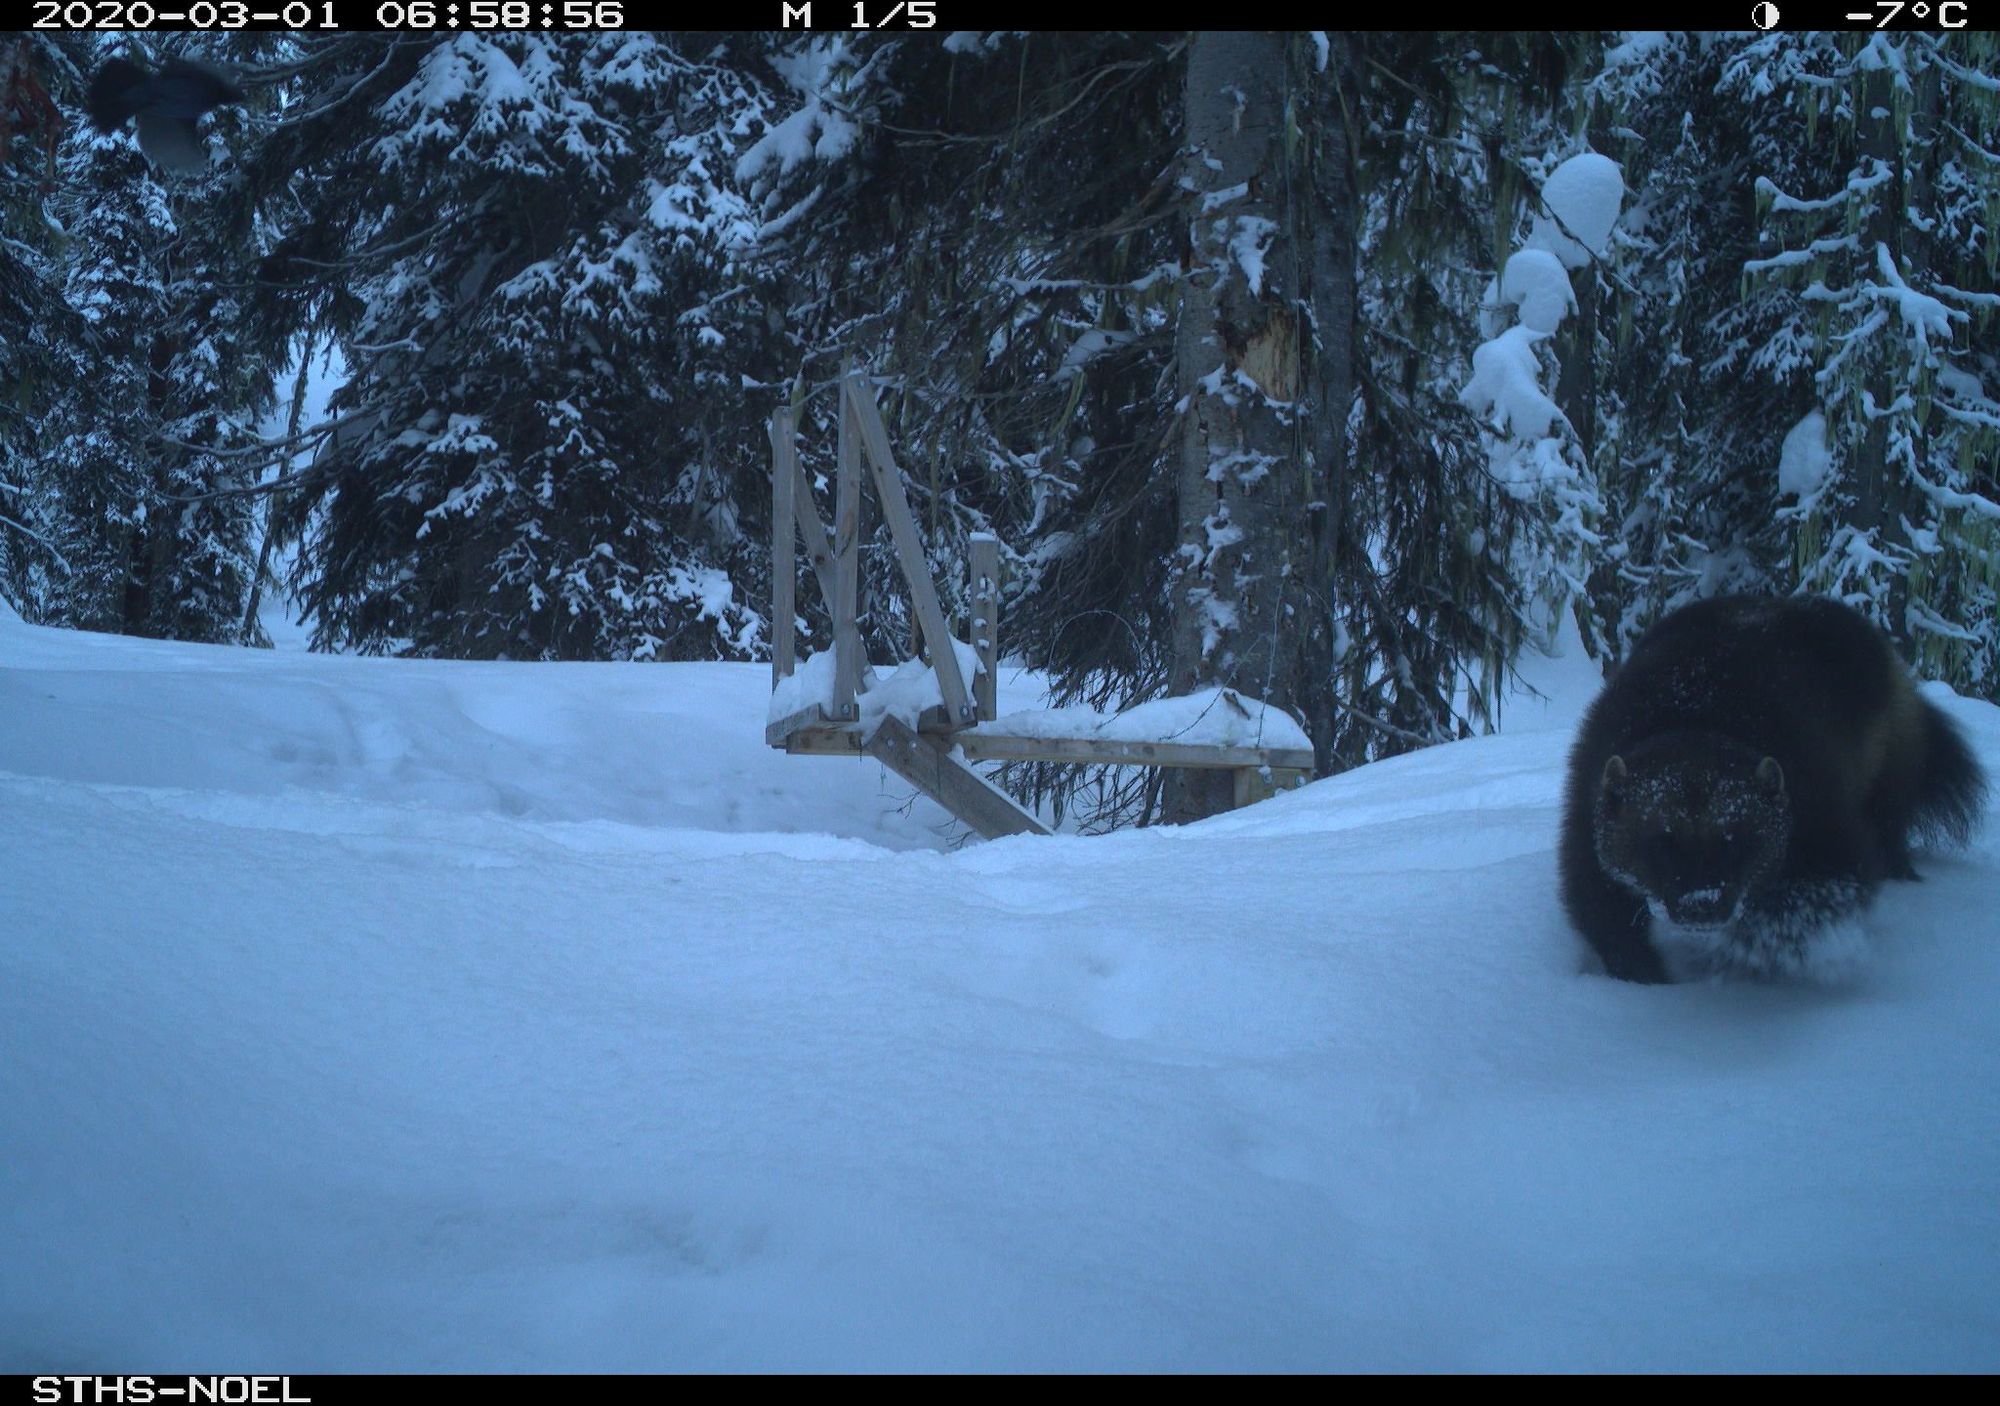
{"points": [[53, 550], [1971, 77]]}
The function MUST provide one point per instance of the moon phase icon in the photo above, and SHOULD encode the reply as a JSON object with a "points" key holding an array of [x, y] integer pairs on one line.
{"points": [[1765, 16]]}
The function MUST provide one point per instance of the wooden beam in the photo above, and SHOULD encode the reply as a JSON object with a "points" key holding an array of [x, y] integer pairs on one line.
{"points": [[909, 546], [812, 732], [980, 745], [819, 546], [823, 742], [927, 763], [819, 542], [784, 546], [812, 717], [985, 597], [823, 737], [844, 602], [819, 549]]}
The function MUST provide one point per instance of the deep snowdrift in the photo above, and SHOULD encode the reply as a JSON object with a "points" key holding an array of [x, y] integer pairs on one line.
{"points": [[377, 1014]]}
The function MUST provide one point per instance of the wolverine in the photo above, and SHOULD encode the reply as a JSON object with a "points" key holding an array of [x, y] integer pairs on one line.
{"points": [[1753, 771]]}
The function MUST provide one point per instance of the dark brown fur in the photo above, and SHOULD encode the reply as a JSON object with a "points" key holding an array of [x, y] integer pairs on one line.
{"points": [[1757, 766]]}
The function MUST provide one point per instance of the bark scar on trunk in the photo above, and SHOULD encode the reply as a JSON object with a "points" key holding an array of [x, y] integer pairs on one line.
{"points": [[1271, 357]]}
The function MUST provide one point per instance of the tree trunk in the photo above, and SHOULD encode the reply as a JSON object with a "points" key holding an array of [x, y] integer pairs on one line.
{"points": [[149, 557], [1264, 367], [1331, 221], [247, 634]]}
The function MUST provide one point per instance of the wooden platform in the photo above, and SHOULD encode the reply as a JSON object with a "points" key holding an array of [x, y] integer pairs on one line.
{"points": [[810, 735], [937, 761], [937, 754]]}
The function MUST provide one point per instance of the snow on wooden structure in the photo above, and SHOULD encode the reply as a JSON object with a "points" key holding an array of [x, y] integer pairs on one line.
{"points": [[929, 720]]}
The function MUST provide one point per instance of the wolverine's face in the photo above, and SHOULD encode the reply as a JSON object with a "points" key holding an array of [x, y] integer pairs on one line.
{"points": [[1692, 826]]}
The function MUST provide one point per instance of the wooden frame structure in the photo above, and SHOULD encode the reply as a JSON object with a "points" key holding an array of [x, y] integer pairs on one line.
{"points": [[937, 755]]}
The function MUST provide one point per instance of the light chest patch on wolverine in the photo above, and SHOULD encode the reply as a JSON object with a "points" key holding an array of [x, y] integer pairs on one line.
{"points": [[1693, 824]]}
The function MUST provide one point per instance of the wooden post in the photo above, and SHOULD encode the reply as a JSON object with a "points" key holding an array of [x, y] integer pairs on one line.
{"points": [[784, 545], [845, 604], [985, 594], [909, 547], [1260, 783], [1250, 786]]}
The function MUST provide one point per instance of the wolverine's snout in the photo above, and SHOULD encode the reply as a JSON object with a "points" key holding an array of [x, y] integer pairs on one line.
{"points": [[1701, 908]]}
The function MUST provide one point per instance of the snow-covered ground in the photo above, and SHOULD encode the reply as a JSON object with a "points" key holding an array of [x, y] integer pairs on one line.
{"points": [[382, 1014]]}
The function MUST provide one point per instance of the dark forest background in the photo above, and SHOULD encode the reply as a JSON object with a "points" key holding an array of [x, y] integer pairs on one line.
{"points": [[1190, 321]]}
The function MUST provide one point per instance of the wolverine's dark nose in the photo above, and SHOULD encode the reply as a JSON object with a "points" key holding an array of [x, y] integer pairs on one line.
{"points": [[1708, 909]]}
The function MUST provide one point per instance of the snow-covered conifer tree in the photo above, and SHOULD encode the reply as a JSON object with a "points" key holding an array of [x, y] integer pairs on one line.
{"points": [[158, 392], [543, 450], [35, 70], [1884, 244], [1533, 451]]}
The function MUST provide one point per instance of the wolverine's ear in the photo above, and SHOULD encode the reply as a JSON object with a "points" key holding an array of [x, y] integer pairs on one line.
{"points": [[1612, 784], [1771, 777]]}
